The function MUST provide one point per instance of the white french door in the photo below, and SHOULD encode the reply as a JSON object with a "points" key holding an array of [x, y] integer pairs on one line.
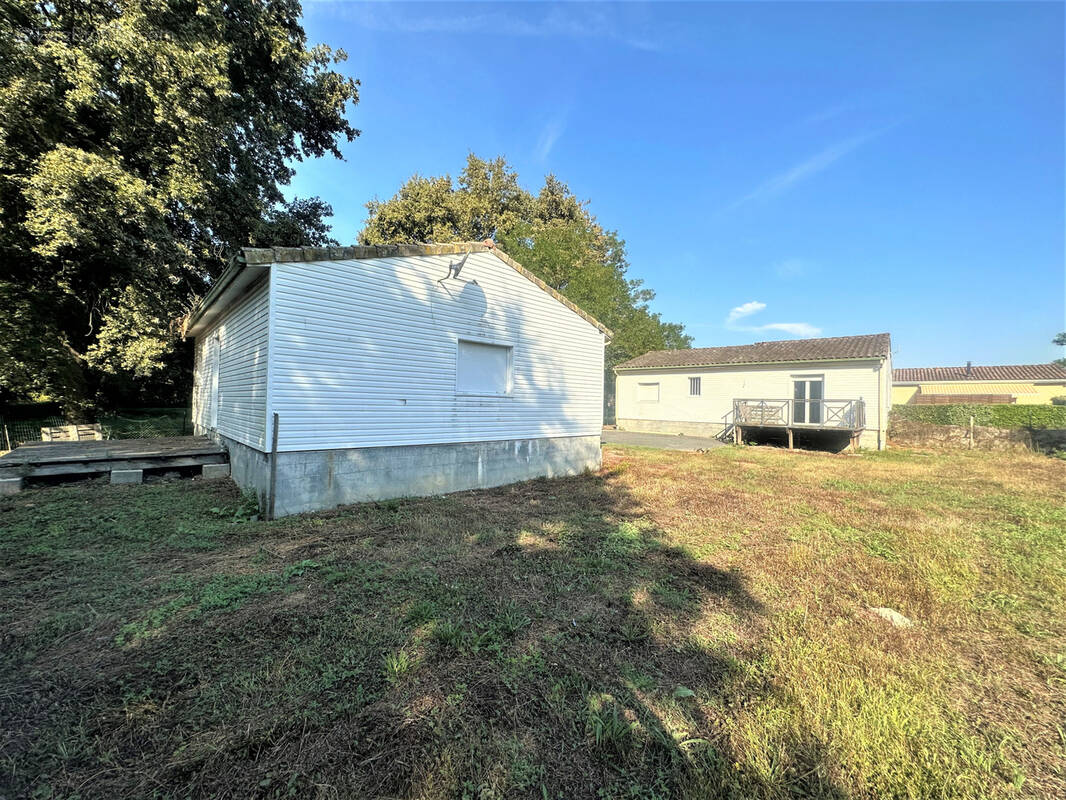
{"points": [[807, 396]]}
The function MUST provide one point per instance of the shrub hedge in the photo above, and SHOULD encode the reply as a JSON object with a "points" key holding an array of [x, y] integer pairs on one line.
{"points": [[994, 416]]}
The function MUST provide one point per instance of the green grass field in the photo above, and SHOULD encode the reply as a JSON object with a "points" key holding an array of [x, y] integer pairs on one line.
{"points": [[677, 625]]}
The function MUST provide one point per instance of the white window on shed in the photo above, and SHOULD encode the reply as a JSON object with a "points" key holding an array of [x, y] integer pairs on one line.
{"points": [[694, 387], [648, 392], [483, 369]]}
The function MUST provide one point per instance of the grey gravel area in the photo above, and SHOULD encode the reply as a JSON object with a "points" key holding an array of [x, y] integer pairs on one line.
{"points": [[660, 440]]}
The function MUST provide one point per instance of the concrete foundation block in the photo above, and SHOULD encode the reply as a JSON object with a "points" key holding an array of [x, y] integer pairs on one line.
{"points": [[213, 471], [311, 480], [127, 475], [10, 485]]}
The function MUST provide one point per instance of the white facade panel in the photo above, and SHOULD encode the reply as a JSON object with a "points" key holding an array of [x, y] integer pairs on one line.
{"points": [[230, 372], [365, 353], [868, 380]]}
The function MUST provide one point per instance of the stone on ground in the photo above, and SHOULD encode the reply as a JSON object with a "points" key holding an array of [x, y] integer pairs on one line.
{"points": [[893, 616]]}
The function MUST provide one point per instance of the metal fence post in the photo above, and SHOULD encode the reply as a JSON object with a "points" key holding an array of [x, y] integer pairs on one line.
{"points": [[272, 489]]}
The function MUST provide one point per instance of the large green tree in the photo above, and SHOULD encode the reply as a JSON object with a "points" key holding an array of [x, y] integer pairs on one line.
{"points": [[141, 142], [551, 233]]}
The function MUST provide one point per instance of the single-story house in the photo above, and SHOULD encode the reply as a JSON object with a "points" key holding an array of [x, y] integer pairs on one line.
{"points": [[343, 374], [841, 384], [1027, 384]]}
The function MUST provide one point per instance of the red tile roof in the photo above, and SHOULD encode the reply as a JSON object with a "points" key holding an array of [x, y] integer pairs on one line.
{"points": [[874, 345], [1006, 372]]}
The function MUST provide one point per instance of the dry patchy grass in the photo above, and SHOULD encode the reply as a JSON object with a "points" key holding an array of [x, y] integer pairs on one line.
{"points": [[678, 625]]}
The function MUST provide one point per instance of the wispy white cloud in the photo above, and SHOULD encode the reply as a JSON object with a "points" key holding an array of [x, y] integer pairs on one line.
{"points": [[791, 268], [549, 135], [745, 310], [783, 182], [573, 21]]}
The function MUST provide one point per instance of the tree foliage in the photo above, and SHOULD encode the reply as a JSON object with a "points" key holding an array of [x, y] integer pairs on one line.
{"points": [[1060, 340], [141, 141], [551, 233]]}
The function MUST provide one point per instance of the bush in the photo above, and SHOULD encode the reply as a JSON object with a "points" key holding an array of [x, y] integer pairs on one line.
{"points": [[994, 416], [1059, 401]]}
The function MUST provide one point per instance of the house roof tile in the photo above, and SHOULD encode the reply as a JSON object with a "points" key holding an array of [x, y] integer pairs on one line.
{"points": [[1004, 372], [874, 345]]}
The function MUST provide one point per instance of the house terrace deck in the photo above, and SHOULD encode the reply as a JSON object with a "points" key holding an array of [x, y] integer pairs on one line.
{"points": [[125, 459], [793, 415]]}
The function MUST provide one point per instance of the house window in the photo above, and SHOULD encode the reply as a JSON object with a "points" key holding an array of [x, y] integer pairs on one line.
{"points": [[483, 369], [694, 387], [648, 392]]}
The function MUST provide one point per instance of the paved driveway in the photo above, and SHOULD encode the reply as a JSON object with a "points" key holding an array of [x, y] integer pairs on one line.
{"points": [[661, 440]]}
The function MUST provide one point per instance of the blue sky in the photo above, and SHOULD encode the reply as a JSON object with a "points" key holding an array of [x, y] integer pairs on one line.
{"points": [[775, 169]]}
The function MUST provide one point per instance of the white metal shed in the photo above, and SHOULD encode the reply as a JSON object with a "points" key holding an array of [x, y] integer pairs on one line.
{"points": [[393, 370]]}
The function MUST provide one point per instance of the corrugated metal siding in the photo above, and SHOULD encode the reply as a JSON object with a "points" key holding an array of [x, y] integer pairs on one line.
{"points": [[976, 387], [242, 380], [364, 354], [1024, 393]]}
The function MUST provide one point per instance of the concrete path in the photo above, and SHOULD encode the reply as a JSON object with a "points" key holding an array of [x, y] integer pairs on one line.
{"points": [[661, 440]]}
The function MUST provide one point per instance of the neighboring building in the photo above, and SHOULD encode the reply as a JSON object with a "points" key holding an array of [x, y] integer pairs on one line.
{"points": [[392, 371], [841, 385], [1027, 384]]}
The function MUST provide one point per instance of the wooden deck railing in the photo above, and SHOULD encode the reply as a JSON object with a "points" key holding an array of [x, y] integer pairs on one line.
{"points": [[845, 415]]}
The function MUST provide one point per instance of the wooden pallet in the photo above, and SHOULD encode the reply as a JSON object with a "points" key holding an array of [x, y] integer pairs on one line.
{"points": [[72, 433]]}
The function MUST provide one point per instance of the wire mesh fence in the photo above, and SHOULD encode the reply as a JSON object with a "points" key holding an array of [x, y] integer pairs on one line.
{"points": [[150, 423], [175, 422]]}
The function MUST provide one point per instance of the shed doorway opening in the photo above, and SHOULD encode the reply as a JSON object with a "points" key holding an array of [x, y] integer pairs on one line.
{"points": [[214, 357]]}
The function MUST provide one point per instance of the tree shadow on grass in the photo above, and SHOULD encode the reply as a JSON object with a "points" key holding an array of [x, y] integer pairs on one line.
{"points": [[539, 640]]}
